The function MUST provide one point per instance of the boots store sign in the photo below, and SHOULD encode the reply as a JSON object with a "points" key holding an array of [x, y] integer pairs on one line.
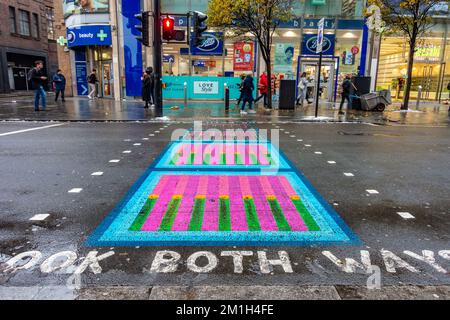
{"points": [[211, 45], [309, 44], [89, 35]]}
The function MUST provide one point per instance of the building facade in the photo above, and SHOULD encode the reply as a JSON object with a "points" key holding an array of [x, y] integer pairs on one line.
{"points": [[27, 34], [101, 35]]}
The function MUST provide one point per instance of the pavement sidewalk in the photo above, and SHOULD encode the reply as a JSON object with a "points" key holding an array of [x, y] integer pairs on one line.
{"points": [[82, 109]]}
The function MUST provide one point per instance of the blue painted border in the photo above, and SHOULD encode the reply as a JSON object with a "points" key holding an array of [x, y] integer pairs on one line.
{"points": [[94, 239]]}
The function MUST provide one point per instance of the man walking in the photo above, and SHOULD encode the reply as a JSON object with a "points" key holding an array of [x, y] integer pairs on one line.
{"points": [[60, 85], [346, 86], [92, 81], [38, 82]]}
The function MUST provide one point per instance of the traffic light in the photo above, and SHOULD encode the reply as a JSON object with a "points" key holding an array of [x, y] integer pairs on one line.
{"points": [[144, 27], [168, 25], [199, 27]]}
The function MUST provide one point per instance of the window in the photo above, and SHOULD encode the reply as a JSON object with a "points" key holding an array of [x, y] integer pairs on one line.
{"points": [[24, 23], [50, 23], [12, 20], [35, 26]]}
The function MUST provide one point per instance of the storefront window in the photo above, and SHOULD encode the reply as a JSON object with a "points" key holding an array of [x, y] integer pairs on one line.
{"points": [[428, 69]]}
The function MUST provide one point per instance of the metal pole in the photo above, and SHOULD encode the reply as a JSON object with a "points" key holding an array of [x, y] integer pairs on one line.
{"points": [[185, 95], [157, 63], [419, 97], [318, 84]]}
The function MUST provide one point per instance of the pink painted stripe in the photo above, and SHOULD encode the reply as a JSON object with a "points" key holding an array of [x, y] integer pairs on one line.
{"points": [[185, 152], [237, 212], [181, 185], [160, 185], [203, 186], [183, 217], [263, 155], [287, 186], [266, 187], [211, 212], [265, 216], [245, 186], [223, 186], [289, 210], [253, 150], [198, 150], [156, 215], [230, 153]]}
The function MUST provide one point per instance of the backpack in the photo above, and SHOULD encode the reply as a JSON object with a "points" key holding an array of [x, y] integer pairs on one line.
{"points": [[30, 74]]}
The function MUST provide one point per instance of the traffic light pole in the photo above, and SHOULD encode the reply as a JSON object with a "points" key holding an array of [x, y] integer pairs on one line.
{"points": [[318, 84], [157, 57]]}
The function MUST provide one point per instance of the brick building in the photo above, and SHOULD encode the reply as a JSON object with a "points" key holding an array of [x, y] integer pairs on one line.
{"points": [[27, 33]]}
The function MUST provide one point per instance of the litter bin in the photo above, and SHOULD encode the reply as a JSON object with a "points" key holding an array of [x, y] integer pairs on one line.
{"points": [[287, 95]]}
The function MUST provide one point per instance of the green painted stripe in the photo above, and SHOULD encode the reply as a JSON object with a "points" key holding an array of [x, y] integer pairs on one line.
{"points": [[280, 219], [191, 157], [224, 215], [238, 159], [223, 159], [306, 216], [253, 159], [143, 214], [169, 216], [175, 159], [197, 215], [252, 217], [207, 159]]}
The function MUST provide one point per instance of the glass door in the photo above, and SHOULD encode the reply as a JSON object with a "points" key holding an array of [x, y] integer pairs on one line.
{"points": [[327, 79], [107, 79]]}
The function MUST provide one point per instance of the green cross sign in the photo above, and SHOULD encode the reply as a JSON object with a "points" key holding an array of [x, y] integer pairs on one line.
{"points": [[102, 35], [61, 41]]}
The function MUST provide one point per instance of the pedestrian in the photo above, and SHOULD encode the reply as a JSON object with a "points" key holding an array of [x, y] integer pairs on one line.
{"points": [[146, 87], [38, 80], [247, 95], [92, 82], [151, 75], [241, 87], [60, 85], [263, 87], [302, 89], [346, 86]]}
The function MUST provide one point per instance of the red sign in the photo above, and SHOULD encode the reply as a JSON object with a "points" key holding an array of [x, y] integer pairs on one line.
{"points": [[355, 50], [243, 56]]}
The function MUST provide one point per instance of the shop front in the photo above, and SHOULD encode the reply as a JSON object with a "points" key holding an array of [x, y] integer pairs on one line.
{"points": [[431, 71], [91, 47]]}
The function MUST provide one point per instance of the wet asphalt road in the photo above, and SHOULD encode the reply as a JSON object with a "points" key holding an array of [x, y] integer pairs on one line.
{"points": [[408, 166]]}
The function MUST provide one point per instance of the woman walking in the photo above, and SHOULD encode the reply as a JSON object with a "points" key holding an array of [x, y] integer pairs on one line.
{"points": [[146, 89], [302, 89], [247, 95]]}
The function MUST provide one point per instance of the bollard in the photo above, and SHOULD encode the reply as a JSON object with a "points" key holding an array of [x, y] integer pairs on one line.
{"points": [[419, 97], [227, 98], [185, 95]]}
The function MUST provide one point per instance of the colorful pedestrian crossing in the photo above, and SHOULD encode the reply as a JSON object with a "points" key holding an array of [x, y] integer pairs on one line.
{"points": [[238, 204]]}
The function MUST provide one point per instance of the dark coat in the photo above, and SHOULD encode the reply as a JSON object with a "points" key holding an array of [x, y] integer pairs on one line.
{"points": [[346, 87], [60, 81], [247, 89], [36, 80], [146, 88]]}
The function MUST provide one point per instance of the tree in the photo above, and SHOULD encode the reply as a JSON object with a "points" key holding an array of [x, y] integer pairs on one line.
{"points": [[260, 18], [413, 19]]}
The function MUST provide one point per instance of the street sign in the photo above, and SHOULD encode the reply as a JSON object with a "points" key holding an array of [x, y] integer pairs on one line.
{"points": [[320, 36]]}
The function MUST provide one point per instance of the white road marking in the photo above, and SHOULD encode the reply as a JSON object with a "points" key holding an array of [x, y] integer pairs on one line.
{"points": [[348, 174], [406, 215], [127, 151], [151, 135], [145, 139], [114, 161], [137, 144], [371, 191], [292, 136], [98, 173], [39, 217], [308, 145], [75, 190], [318, 152], [32, 129], [156, 131], [300, 140], [332, 162], [127, 140]]}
